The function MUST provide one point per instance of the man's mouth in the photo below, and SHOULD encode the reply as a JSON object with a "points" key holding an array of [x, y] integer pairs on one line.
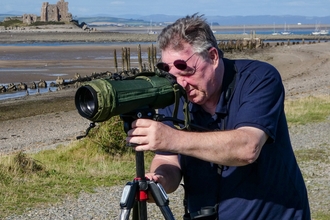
{"points": [[191, 92]]}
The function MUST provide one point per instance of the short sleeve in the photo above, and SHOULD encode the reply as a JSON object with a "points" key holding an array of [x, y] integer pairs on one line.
{"points": [[260, 95]]}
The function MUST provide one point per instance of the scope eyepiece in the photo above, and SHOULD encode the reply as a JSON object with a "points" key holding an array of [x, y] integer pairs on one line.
{"points": [[86, 101]]}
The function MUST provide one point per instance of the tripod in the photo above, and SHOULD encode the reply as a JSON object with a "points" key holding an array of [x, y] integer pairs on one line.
{"points": [[135, 193]]}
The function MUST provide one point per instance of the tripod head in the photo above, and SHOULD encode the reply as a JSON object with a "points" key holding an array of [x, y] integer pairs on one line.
{"points": [[129, 117]]}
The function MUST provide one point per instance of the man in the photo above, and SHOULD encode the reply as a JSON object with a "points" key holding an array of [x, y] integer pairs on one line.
{"points": [[245, 162]]}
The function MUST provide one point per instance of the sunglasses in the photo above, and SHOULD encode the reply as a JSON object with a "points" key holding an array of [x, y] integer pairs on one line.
{"points": [[179, 64]]}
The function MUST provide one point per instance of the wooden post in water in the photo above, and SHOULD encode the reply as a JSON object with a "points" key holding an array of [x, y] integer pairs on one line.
{"points": [[115, 61], [149, 58], [152, 59], [128, 58], [123, 59], [140, 58]]}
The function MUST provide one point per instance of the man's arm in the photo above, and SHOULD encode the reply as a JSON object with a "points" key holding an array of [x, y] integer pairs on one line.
{"points": [[165, 169], [236, 147]]}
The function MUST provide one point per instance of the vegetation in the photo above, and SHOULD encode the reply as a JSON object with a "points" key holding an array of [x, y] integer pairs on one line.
{"points": [[307, 110], [19, 23], [12, 23], [40, 23], [29, 180], [102, 159], [317, 155]]}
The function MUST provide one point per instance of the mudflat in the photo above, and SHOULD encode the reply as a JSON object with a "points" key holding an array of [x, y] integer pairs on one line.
{"points": [[33, 63]]}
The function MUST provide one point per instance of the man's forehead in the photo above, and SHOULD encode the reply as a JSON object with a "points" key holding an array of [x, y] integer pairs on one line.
{"points": [[170, 54]]}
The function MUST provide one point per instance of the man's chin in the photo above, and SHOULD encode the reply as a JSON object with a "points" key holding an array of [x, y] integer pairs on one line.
{"points": [[195, 100]]}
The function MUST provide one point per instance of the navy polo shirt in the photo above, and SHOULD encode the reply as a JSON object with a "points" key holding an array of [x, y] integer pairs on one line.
{"points": [[270, 188]]}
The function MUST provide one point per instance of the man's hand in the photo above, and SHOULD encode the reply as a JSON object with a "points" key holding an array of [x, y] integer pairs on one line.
{"points": [[157, 179], [150, 135]]}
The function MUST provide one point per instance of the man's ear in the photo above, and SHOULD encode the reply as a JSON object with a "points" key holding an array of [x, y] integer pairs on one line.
{"points": [[214, 55]]}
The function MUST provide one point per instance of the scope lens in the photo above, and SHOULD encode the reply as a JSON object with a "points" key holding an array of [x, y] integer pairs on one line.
{"points": [[86, 101]]}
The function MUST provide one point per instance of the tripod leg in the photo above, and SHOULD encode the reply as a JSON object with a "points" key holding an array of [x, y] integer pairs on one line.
{"points": [[161, 199], [140, 210], [127, 200], [136, 214]]}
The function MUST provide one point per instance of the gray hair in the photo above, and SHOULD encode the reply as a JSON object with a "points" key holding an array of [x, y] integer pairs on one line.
{"points": [[193, 30]]}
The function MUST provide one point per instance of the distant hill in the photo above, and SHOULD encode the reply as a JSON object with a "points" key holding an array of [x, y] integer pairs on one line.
{"points": [[3, 16], [113, 20], [228, 20], [216, 20], [136, 20]]}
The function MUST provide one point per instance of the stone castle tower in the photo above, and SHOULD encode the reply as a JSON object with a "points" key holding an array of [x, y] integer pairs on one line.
{"points": [[58, 12]]}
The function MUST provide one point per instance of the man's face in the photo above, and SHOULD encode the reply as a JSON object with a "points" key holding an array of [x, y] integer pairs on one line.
{"points": [[198, 79]]}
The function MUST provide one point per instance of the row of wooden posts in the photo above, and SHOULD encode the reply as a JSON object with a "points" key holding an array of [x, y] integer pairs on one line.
{"points": [[255, 43], [126, 59]]}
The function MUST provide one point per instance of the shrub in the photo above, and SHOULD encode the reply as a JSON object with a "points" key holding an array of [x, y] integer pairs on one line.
{"points": [[110, 136]]}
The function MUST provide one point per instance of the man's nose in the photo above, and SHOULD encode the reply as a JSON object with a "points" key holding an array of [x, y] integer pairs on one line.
{"points": [[182, 82]]}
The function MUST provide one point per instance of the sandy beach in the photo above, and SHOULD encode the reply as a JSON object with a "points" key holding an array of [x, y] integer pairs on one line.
{"points": [[43, 121]]}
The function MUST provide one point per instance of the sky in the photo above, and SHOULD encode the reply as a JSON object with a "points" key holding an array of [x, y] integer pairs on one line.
{"points": [[81, 8]]}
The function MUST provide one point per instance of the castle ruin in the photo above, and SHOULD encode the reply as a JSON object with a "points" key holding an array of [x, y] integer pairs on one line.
{"points": [[29, 18], [58, 12]]}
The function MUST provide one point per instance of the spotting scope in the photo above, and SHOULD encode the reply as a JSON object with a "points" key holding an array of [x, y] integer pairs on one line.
{"points": [[100, 99]]}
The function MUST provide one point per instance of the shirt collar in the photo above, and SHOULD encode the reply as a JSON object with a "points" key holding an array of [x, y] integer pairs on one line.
{"points": [[220, 109]]}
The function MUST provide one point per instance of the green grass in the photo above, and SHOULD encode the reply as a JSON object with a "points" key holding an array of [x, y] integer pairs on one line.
{"points": [[317, 155], [40, 23], [102, 159], [321, 216], [307, 110], [12, 23], [19, 23], [30, 180], [65, 171]]}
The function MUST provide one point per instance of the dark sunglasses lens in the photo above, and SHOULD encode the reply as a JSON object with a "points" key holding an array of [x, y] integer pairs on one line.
{"points": [[180, 64], [163, 66]]}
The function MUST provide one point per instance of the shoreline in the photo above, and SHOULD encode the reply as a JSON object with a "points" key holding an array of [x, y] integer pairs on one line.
{"points": [[119, 35]]}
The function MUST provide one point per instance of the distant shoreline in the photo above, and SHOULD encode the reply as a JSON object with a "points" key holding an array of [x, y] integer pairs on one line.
{"points": [[114, 35]]}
